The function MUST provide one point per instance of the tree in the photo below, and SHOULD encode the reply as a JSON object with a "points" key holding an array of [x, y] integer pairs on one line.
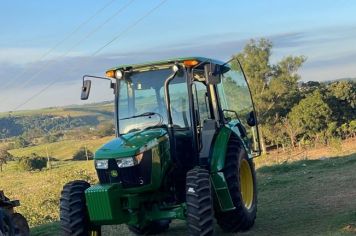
{"points": [[83, 154], [4, 156], [32, 162], [21, 142], [311, 116], [106, 129], [274, 87], [352, 128], [341, 97]]}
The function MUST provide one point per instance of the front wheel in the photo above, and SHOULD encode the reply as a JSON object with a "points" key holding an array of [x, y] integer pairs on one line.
{"points": [[239, 172], [74, 218], [199, 203]]}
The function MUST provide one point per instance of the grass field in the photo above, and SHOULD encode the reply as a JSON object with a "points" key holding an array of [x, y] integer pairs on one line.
{"points": [[62, 150], [305, 197], [309, 197], [39, 191]]}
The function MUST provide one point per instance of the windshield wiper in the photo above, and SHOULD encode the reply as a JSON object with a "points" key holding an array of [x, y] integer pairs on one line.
{"points": [[141, 115]]}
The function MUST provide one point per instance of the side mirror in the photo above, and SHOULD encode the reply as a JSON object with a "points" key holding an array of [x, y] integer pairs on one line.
{"points": [[212, 73], [85, 89], [251, 119]]}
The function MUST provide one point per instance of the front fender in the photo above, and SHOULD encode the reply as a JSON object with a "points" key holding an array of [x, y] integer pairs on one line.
{"points": [[217, 164], [219, 147]]}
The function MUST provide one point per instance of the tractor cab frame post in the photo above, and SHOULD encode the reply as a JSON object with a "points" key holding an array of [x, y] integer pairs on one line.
{"points": [[175, 70]]}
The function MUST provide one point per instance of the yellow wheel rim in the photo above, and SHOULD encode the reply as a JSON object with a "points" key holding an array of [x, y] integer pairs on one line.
{"points": [[93, 233], [246, 184]]}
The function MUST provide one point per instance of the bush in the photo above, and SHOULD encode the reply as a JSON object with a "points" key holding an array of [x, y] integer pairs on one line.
{"points": [[82, 153], [21, 142], [4, 156], [335, 145], [33, 162], [50, 138], [106, 129]]}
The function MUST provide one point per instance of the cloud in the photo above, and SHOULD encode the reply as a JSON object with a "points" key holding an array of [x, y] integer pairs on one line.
{"points": [[330, 51]]}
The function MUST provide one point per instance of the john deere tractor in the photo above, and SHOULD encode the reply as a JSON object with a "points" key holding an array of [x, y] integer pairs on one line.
{"points": [[186, 135]]}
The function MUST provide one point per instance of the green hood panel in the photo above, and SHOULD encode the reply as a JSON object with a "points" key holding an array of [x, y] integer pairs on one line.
{"points": [[130, 144]]}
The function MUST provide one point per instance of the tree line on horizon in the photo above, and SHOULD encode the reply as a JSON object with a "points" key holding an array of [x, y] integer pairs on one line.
{"points": [[291, 113]]}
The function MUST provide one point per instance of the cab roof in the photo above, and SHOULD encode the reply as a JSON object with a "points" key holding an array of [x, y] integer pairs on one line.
{"points": [[166, 62]]}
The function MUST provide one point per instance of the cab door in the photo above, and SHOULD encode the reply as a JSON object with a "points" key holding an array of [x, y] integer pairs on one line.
{"points": [[237, 105]]}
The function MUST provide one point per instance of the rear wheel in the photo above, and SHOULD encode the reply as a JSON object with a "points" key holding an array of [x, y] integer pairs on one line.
{"points": [[74, 217], [20, 225], [240, 176], [200, 217], [6, 225], [155, 227]]}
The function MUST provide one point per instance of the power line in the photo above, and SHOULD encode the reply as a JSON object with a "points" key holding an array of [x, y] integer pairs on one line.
{"points": [[92, 32], [79, 42], [96, 52], [81, 25], [128, 28]]}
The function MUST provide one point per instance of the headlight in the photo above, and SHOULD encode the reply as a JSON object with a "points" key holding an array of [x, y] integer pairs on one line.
{"points": [[129, 161], [101, 164]]}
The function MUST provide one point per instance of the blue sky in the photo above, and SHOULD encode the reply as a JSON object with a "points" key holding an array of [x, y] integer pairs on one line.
{"points": [[324, 31]]}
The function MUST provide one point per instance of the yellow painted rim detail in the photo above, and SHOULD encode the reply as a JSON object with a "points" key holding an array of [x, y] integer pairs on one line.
{"points": [[246, 184], [93, 233]]}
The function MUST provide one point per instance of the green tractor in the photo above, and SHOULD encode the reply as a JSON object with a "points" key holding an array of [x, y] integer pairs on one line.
{"points": [[186, 135]]}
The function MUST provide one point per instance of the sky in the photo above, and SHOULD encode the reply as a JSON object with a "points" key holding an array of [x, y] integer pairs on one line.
{"points": [[47, 46]]}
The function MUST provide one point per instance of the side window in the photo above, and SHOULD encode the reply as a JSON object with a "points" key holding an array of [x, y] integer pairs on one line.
{"points": [[237, 94], [179, 102], [201, 101], [235, 99]]}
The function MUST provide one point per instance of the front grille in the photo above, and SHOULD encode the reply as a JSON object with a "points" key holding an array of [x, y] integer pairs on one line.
{"points": [[134, 176]]}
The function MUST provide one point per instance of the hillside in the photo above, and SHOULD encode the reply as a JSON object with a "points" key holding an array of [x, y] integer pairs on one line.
{"points": [[55, 119], [62, 150]]}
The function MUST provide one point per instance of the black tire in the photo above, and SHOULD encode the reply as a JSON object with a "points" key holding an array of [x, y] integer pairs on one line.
{"points": [[6, 225], [74, 219], [20, 224], [155, 227], [200, 217], [242, 217]]}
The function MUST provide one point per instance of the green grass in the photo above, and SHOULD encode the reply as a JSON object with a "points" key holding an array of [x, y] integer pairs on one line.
{"points": [[62, 150], [308, 197], [46, 229], [39, 191]]}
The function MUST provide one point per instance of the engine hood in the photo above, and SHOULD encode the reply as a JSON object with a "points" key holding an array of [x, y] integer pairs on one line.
{"points": [[131, 144]]}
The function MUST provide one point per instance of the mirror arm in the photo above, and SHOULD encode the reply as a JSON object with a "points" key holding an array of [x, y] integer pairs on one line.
{"points": [[96, 77]]}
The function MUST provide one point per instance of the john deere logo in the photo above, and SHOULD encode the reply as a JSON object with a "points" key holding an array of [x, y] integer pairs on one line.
{"points": [[114, 173]]}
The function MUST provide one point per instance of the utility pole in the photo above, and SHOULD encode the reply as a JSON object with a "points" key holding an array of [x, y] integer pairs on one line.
{"points": [[48, 159], [86, 152]]}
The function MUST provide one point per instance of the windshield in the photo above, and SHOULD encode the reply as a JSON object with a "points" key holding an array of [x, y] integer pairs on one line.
{"points": [[142, 93]]}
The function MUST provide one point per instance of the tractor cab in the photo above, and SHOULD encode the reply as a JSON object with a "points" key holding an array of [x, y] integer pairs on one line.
{"points": [[186, 133], [187, 98]]}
